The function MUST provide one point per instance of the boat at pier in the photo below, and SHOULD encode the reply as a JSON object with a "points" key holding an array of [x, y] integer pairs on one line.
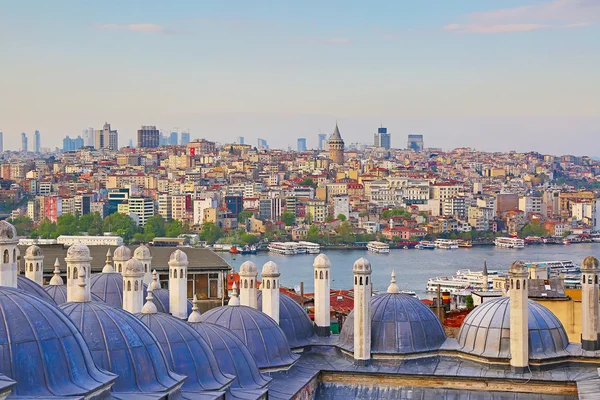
{"points": [[287, 248], [425, 245], [446, 244], [509, 242], [378, 247]]}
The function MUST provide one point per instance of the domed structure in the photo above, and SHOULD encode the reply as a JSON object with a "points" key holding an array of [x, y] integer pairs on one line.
{"points": [[486, 331], [8, 233], [122, 253], [178, 256], [42, 348], [293, 321], [400, 324], [78, 252], [122, 344], [248, 268], [133, 266], [186, 352], [142, 252], [160, 297], [108, 287], [232, 355], [34, 251], [58, 293], [270, 268], [265, 339], [29, 286]]}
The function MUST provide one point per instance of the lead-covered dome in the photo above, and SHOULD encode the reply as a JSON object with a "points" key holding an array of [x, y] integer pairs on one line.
{"points": [[293, 321], [8, 232], [232, 355], [160, 297], [33, 288], [486, 331], [108, 287], [58, 293], [34, 251], [43, 351], [265, 339], [186, 352], [122, 344], [400, 324], [122, 253]]}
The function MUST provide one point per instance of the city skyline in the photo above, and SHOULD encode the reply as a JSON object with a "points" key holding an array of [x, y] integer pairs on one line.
{"points": [[497, 76]]}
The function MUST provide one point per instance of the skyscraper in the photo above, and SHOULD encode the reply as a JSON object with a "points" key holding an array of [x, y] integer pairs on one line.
{"points": [[262, 144], [322, 140], [382, 138], [36, 142], [1, 142], [301, 145], [173, 139], [336, 146], [185, 138], [415, 142], [149, 137], [113, 140], [240, 140], [24, 142], [106, 138], [72, 144], [88, 137]]}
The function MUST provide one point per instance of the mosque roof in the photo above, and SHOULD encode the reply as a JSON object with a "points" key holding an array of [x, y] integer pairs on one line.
{"points": [[265, 339], [293, 321], [161, 300], [42, 349], [122, 344], [486, 331], [59, 294], [33, 288], [400, 324], [108, 287]]}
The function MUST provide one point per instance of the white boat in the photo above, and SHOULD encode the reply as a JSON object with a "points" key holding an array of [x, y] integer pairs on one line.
{"points": [[446, 244], [378, 247], [509, 243], [287, 248], [309, 247], [555, 268], [425, 245], [446, 285], [596, 237], [463, 280]]}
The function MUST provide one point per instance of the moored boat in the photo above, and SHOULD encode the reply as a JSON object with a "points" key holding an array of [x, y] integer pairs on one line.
{"points": [[509, 242], [378, 247]]}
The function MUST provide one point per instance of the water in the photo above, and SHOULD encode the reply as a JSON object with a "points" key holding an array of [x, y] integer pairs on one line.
{"points": [[413, 267]]}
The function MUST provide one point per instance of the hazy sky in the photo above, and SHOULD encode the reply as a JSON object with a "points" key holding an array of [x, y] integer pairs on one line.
{"points": [[491, 74]]}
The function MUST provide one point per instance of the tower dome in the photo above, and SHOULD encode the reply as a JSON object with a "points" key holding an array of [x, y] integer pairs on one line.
{"points": [[78, 252], [293, 321], [41, 349], [122, 253], [8, 232], [264, 338], [34, 251], [400, 324], [122, 344], [178, 256], [142, 252], [486, 331]]}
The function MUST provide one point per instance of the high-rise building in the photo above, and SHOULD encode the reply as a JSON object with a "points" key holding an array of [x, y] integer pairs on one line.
{"points": [[336, 146], [73, 144], [234, 204], [262, 144], [23, 141], [36, 142], [322, 141], [185, 138], [301, 145], [382, 138], [148, 137], [173, 139], [88, 137], [415, 142], [113, 140], [1, 142], [240, 140], [106, 138]]}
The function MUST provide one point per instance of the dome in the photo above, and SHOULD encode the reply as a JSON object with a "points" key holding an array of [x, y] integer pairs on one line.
{"points": [[122, 253], [133, 267], [248, 268], [58, 293], [8, 233], [186, 352], [43, 351], [322, 261], [264, 338], [108, 287], [122, 344], [178, 256], [486, 331], [232, 355], [293, 321], [31, 287], [34, 251], [78, 252], [362, 265], [400, 324], [161, 301], [270, 268], [142, 252]]}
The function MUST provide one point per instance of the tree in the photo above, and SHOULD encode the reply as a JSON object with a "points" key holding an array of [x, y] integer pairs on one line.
{"points": [[91, 223], [309, 182], [308, 218], [533, 228], [341, 217], [469, 301], [155, 227], [23, 225], [67, 224], [313, 234], [210, 232], [249, 238], [122, 225], [288, 218], [46, 230], [395, 212], [175, 228], [243, 216], [346, 232]]}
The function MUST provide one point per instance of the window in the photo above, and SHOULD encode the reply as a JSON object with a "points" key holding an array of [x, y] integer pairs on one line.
{"points": [[316, 275], [367, 281], [5, 257], [274, 284], [75, 276], [15, 255], [31, 267], [583, 277], [37, 266], [596, 279], [146, 268], [68, 273], [321, 275], [268, 284], [525, 284], [511, 284], [355, 282], [251, 283], [129, 286], [360, 281], [518, 284], [326, 274], [245, 283], [181, 273], [137, 287]]}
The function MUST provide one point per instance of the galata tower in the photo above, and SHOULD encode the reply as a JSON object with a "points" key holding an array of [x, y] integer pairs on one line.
{"points": [[336, 146]]}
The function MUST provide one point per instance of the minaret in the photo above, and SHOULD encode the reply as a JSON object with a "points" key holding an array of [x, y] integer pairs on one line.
{"points": [[149, 306], [78, 264], [336, 146], [248, 289], [590, 306], [56, 278], [195, 315], [178, 284], [322, 269], [393, 288], [234, 300], [484, 277], [519, 312], [362, 311], [133, 286], [270, 290], [9, 255], [34, 264], [143, 254], [108, 267]]}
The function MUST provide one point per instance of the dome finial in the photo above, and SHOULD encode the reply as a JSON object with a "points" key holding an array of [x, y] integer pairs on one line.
{"points": [[155, 285], [234, 300], [393, 288], [56, 278], [149, 306], [108, 265], [195, 314]]}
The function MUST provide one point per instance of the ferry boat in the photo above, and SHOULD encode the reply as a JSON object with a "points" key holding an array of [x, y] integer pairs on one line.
{"points": [[309, 247], [378, 247], [509, 243], [555, 268], [446, 244], [287, 248], [465, 244], [463, 280], [425, 245], [596, 237], [446, 285]]}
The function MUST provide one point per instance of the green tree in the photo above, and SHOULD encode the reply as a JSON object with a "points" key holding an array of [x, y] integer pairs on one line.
{"points": [[175, 228], [67, 224], [469, 301], [121, 225], [210, 232], [533, 228], [341, 217], [288, 218], [155, 227], [23, 225], [243, 216], [313, 234], [395, 212], [309, 182], [46, 230], [249, 238], [308, 218], [91, 223], [346, 233]]}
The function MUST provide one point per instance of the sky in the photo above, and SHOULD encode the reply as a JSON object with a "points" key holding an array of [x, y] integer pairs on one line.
{"points": [[496, 75]]}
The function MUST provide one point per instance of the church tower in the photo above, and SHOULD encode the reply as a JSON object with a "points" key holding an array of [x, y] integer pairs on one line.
{"points": [[34, 264], [590, 307], [336, 146], [519, 313], [322, 269], [362, 311]]}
